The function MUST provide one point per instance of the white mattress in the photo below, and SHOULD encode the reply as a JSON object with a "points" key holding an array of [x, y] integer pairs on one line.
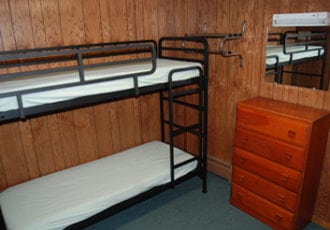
{"points": [[60, 199], [164, 66], [278, 51]]}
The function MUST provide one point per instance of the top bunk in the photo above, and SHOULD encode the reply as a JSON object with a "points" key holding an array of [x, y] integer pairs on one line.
{"points": [[40, 81], [294, 47]]}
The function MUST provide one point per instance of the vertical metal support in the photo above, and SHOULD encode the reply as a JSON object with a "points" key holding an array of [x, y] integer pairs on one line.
{"points": [[324, 60], [20, 106], [200, 121], [277, 71], [2, 221], [80, 67], [205, 113], [205, 124], [162, 121], [136, 85], [323, 72], [200, 129], [201, 134], [171, 127]]}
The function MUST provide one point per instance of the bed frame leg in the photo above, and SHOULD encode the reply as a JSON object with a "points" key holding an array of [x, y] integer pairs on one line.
{"points": [[204, 187], [204, 178], [2, 221]]}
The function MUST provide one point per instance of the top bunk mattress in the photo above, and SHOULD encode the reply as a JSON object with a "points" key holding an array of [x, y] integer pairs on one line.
{"points": [[295, 51], [8, 101], [60, 199]]}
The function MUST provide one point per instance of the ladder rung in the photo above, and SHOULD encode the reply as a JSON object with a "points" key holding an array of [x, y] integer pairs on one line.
{"points": [[184, 129], [194, 106], [180, 128], [185, 93]]}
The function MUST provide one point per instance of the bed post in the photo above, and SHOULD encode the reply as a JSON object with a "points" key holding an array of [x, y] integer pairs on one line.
{"points": [[162, 125], [324, 61], [205, 108], [2, 221], [171, 127]]}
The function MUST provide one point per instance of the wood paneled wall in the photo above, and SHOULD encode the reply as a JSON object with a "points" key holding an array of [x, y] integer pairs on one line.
{"points": [[46, 144]]}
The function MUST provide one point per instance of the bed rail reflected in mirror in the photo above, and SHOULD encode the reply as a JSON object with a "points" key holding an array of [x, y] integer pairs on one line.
{"points": [[298, 56]]}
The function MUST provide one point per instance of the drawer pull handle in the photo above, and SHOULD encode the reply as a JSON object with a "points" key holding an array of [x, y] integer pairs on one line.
{"points": [[278, 217], [239, 196], [245, 121], [242, 160], [288, 156], [241, 179], [285, 178], [291, 134], [281, 199], [244, 140]]}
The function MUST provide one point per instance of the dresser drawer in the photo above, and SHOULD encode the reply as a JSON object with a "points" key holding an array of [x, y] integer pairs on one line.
{"points": [[277, 151], [268, 190], [260, 207], [266, 169], [279, 127]]}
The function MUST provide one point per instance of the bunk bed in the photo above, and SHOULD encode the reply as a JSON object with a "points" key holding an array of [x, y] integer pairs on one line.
{"points": [[35, 82], [295, 47]]}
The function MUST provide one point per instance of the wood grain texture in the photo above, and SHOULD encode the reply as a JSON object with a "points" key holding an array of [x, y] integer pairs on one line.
{"points": [[56, 141], [85, 133], [52, 22], [262, 118], [12, 155], [68, 139], [219, 146], [71, 16], [45, 144], [29, 149]]}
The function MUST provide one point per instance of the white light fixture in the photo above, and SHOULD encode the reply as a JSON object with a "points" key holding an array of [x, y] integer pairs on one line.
{"points": [[302, 19]]}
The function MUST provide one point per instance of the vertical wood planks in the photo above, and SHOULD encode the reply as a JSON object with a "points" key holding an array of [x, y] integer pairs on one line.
{"points": [[218, 90], [149, 118], [12, 155], [53, 142], [72, 23]]}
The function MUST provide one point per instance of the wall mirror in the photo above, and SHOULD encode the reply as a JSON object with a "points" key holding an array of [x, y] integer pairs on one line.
{"points": [[298, 55]]}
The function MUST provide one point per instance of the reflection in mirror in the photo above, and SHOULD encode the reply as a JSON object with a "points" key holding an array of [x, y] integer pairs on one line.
{"points": [[298, 58]]}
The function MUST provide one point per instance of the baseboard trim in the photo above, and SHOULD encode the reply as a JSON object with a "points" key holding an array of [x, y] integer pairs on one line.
{"points": [[321, 222], [219, 167]]}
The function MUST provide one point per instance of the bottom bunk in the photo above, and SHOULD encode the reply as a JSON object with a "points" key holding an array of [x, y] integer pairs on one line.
{"points": [[77, 194]]}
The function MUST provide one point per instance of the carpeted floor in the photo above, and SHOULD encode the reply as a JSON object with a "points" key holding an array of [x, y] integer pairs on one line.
{"points": [[186, 207]]}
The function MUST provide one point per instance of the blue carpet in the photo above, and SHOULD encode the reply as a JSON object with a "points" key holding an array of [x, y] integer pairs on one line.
{"points": [[186, 207]]}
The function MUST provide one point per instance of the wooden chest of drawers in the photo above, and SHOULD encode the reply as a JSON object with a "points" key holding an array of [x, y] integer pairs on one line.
{"points": [[278, 157]]}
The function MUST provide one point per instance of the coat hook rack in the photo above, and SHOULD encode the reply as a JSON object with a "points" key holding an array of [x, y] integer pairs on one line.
{"points": [[224, 37]]}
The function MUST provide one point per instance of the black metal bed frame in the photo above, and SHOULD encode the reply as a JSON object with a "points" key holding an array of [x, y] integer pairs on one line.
{"points": [[74, 58], [2, 221], [298, 39], [171, 94]]}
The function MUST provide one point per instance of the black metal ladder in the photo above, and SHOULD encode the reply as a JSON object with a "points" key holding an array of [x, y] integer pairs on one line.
{"points": [[176, 95]]}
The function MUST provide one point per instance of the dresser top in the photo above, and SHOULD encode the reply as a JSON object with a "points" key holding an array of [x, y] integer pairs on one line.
{"points": [[287, 109]]}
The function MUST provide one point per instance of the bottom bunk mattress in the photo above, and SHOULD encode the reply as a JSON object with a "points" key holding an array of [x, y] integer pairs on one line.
{"points": [[60, 199]]}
